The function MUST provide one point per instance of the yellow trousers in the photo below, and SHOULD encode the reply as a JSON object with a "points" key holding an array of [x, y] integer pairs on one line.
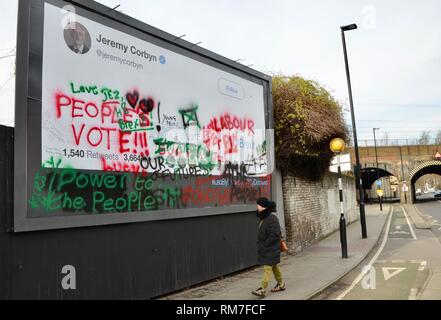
{"points": [[268, 271]]}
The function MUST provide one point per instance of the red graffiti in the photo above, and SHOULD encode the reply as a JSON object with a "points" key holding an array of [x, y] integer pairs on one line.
{"points": [[201, 197], [230, 143], [229, 122], [117, 166], [137, 139], [77, 136], [131, 116], [142, 107], [202, 193], [224, 142], [133, 98], [203, 181], [95, 136], [107, 112], [212, 139], [146, 105]]}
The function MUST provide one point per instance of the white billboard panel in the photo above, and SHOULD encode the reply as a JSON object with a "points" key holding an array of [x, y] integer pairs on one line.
{"points": [[113, 102]]}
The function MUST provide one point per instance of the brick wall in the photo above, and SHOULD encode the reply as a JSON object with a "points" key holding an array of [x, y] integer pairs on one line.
{"points": [[312, 209]]}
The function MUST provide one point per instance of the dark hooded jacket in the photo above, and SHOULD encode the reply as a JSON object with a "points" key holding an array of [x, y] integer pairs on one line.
{"points": [[268, 242]]}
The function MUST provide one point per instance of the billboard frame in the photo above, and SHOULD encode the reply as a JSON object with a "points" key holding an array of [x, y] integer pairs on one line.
{"points": [[28, 110]]}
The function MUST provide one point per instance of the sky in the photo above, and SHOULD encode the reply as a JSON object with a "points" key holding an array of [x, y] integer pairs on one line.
{"points": [[394, 55]]}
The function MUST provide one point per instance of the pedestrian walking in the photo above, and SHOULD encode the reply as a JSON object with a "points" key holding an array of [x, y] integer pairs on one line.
{"points": [[268, 246]]}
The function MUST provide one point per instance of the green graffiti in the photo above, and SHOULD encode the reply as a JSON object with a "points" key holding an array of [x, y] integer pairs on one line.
{"points": [[39, 182], [208, 166], [187, 153], [107, 93], [76, 203], [190, 116], [172, 196], [134, 126], [84, 89], [261, 150], [52, 163], [51, 202], [68, 189], [136, 201], [34, 202], [110, 94], [162, 145], [143, 184]]}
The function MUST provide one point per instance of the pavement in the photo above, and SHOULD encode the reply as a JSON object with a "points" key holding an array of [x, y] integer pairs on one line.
{"points": [[306, 274]]}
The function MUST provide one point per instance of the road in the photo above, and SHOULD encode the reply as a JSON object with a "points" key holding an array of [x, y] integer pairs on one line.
{"points": [[433, 210], [400, 266], [426, 197]]}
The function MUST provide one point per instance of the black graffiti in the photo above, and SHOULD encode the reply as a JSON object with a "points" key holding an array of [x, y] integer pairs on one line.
{"points": [[146, 105], [157, 164], [235, 172], [188, 173], [190, 117], [245, 194]]}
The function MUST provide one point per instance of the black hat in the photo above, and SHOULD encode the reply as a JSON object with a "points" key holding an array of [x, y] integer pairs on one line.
{"points": [[263, 202], [267, 204]]}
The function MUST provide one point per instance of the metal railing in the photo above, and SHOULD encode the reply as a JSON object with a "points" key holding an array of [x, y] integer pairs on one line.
{"points": [[396, 142]]}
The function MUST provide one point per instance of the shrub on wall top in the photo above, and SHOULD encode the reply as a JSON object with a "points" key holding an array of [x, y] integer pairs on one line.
{"points": [[306, 119]]}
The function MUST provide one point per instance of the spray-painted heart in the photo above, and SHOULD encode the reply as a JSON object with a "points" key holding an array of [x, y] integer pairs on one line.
{"points": [[132, 99], [146, 105]]}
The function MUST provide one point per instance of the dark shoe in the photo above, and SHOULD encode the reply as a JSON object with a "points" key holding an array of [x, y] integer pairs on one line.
{"points": [[279, 287], [259, 292]]}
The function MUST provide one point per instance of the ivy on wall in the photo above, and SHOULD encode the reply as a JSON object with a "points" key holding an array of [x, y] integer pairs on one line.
{"points": [[307, 118]]}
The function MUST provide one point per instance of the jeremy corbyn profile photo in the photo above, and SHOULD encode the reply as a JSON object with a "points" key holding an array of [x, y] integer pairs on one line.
{"points": [[77, 38]]}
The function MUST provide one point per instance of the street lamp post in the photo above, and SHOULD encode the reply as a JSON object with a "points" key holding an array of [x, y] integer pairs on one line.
{"points": [[368, 179], [359, 183], [376, 160], [337, 146]]}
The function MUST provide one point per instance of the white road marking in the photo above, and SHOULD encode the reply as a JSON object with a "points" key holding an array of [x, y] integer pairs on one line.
{"points": [[395, 271], [398, 227], [408, 222], [413, 294], [399, 232], [399, 261], [416, 261], [423, 265], [369, 266]]}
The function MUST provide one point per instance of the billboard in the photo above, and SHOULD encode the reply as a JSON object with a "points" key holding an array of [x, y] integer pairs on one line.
{"points": [[118, 123]]}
